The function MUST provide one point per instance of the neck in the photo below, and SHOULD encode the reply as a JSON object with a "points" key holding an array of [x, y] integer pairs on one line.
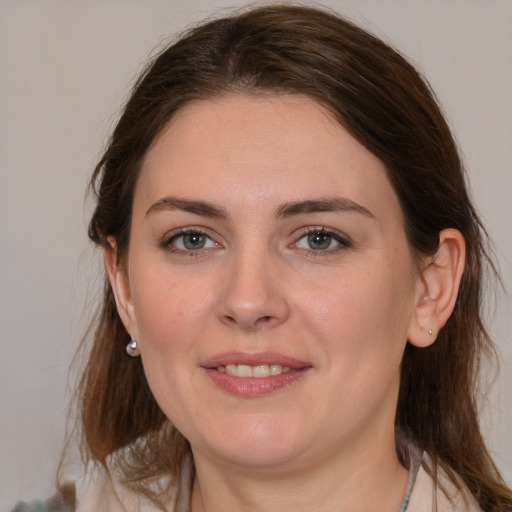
{"points": [[368, 477]]}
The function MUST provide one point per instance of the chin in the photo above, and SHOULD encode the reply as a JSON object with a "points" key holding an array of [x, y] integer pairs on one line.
{"points": [[257, 445], [257, 457]]}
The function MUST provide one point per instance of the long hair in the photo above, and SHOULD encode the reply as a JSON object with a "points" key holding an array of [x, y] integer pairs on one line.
{"points": [[381, 100]]}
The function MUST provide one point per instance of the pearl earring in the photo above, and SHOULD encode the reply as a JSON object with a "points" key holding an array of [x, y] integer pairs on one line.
{"points": [[132, 349]]}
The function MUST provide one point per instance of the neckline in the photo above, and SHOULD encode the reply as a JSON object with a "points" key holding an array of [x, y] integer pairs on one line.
{"points": [[415, 466]]}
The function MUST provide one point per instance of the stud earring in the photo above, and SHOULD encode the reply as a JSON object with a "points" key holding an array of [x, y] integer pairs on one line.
{"points": [[430, 332], [131, 349]]}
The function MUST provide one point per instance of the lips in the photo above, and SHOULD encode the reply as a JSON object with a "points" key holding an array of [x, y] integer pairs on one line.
{"points": [[256, 374]]}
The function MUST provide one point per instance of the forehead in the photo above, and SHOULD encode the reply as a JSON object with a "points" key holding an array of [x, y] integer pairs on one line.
{"points": [[260, 148]]}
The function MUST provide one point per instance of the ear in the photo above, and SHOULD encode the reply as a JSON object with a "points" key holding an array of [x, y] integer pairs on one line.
{"points": [[118, 279], [438, 286]]}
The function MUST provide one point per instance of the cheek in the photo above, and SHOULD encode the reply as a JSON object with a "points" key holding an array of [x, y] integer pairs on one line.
{"points": [[362, 315], [172, 317], [170, 312]]}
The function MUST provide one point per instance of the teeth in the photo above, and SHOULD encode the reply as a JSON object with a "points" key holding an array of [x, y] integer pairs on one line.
{"points": [[244, 371], [260, 370]]}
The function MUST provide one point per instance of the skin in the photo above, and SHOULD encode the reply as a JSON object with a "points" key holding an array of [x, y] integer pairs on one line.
{"points": [[325, 442]]}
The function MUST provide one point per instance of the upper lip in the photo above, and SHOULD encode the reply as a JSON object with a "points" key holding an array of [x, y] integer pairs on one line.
{"points": [[253, 359]]}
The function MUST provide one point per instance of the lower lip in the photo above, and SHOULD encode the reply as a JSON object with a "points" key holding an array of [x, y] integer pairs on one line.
{"points": [[255, 386]]}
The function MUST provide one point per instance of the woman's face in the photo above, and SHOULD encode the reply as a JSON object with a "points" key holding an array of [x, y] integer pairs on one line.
{"points": [[269, 283]]}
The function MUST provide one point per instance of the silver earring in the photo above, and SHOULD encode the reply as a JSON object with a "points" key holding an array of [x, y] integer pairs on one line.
{"points": [[132, 349], [430, 332]]}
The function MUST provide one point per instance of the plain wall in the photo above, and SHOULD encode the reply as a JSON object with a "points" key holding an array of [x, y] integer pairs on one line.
{"points": [[65, 70]]}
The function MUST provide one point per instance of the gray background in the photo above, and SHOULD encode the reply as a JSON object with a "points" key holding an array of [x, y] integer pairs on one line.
{"points": [[65, 68]]}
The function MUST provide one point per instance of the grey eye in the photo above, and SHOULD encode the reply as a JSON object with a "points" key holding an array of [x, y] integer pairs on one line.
{"points": [[192, 241], [318, 241]]}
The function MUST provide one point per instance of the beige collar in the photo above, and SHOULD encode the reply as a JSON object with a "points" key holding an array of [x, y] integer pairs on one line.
{"points": [[102, 494]]}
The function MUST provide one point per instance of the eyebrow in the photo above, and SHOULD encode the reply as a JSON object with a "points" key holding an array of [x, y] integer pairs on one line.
{"points": [[198, 207], [203, 208], [332, 204]]}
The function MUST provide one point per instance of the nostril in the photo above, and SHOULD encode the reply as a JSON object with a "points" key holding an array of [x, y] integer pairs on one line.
{"points": [[264, 320], [230, 319], [248, 323]]}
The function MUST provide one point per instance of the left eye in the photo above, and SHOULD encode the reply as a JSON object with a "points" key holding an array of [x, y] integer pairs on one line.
{"points": [[192, 241], [319, 241]]}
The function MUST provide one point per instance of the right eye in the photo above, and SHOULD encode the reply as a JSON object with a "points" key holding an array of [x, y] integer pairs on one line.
{"points": [[190, 241]]}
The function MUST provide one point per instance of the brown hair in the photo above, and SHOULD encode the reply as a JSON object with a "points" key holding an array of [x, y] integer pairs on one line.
{"points": [[382, 100]]}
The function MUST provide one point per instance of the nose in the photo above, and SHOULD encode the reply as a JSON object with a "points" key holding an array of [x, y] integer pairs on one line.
{"points": [[253, 296]]}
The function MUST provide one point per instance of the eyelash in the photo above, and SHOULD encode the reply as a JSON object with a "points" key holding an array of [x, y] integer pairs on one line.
{"points": [[342, 242], [167, 242]]}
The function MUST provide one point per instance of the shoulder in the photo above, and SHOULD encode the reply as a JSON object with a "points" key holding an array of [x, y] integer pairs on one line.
{"points": [[63, 501], [101, 492], [443, 497], [105, 492]]}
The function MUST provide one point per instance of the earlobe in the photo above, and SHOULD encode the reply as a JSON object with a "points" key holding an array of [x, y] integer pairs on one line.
{"points": [[438, 287], [120, 287]]}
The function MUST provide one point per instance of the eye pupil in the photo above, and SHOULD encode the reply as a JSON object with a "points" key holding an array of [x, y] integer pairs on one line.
{"points": [[194, 241], [319, 240]]}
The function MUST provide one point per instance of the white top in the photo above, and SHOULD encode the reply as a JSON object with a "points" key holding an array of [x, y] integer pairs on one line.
{"points": [[101, 494]]}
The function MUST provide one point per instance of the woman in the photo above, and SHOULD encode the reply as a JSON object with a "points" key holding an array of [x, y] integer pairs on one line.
{"points": [[294, 269]]}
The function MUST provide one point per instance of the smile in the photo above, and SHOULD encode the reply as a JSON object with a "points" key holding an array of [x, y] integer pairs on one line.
{"points": [[258, 371], [256, 374]]}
